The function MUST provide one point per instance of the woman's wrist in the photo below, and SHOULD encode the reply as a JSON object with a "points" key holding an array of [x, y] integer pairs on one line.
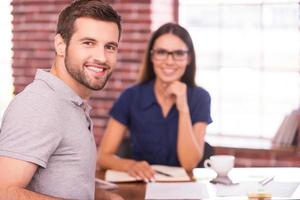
{"points": [[129, 164], [183, 108]]}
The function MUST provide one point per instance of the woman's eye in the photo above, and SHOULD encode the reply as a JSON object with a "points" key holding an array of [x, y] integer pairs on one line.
{"points": [[179, 53], [161, 52]]}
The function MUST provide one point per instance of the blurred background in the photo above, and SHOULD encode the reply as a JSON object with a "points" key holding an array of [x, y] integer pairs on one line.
{"points": [[6, 83], [248, 55]]}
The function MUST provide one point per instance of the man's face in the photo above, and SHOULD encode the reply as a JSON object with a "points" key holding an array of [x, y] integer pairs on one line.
{"points": [[91, 53]]}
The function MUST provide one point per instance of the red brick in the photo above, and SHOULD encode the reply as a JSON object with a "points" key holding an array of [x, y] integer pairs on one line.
{"points": [[33, 36]]}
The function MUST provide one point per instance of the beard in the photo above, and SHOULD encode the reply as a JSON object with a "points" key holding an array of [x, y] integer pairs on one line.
{"points": [[82, 77]]}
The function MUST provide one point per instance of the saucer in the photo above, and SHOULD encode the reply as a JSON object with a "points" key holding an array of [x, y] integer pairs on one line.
{"points": [[225, 180]]}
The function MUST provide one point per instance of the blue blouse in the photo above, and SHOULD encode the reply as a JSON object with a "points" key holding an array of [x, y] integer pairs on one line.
{"points": [[153, 137]]}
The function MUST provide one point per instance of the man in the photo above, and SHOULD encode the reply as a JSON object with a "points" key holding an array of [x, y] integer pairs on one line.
{"points": [[47, 147]]}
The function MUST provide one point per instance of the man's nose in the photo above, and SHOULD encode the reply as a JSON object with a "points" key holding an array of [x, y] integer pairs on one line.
{"points": [[99, 54]]}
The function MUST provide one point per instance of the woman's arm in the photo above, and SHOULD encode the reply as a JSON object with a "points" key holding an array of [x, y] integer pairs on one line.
{"points": [[190, 141], [108, 159]]}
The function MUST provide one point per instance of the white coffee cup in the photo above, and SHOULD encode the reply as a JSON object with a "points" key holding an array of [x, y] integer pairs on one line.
{"points": [[221, 164]]}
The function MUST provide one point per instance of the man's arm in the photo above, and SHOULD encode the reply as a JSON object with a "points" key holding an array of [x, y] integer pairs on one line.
{"points": [[15, 175]]}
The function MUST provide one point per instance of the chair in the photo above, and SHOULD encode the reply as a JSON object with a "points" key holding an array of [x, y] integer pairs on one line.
{"points": [[208, 151], [125, 151]]}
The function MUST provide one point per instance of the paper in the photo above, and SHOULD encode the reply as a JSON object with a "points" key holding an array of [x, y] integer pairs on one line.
{"points": [[296, 193], [177, 174], [277, 189], [188, 190]]}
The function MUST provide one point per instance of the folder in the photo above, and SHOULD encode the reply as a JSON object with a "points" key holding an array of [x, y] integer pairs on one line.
{"points": [[164, 174]]}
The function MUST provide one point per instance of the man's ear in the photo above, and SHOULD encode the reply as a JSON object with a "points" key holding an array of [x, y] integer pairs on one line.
{"points": [[59, 45]]}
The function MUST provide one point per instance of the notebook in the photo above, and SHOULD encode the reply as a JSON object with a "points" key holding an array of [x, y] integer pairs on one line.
{"points": [[164, 174]]}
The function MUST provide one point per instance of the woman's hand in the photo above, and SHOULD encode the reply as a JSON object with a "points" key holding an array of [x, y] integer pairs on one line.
{"points": [[141, 169], [178, 90]]}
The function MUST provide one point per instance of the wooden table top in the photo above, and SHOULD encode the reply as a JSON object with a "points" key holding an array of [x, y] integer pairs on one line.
{"points": [[136, 190], [129, 191]]}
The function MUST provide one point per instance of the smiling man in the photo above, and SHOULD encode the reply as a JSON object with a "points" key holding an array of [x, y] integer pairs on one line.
{"points": [[47, 147]]}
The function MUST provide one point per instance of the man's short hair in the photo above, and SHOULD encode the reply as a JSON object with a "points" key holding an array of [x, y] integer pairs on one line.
{"points": [[95, 9]]}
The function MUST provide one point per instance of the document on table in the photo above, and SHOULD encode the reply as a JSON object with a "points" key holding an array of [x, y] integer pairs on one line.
{"points": [[277, 189], [187, 190], [296, 193], [164, 174]]}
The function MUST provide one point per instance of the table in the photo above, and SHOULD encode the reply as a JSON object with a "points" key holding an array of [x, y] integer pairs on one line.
{"points": [[136, 190], [130, 191]]}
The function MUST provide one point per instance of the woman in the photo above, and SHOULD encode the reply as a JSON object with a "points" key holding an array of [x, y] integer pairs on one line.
{"points": [[166, 113]]}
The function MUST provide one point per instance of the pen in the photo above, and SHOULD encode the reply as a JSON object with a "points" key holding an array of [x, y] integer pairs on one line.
{"points": [[162, 173], [266, 181]]}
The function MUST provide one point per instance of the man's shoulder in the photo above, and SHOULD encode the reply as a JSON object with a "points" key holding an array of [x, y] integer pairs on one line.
{"points": [[36, 94], [38, 99]]}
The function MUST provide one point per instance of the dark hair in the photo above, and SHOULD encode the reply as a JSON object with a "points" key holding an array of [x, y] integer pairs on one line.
{"points": [[96, 9], [147, 71]]}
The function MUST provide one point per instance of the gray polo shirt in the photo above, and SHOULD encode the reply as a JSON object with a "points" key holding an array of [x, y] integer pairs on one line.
{"points": [[48, 124]]}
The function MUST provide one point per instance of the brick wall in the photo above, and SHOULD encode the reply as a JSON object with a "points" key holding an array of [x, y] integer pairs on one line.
{"points": [[33, 33], [34, 27]]}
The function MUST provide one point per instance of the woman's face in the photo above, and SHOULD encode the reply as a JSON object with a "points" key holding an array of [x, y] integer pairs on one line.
{"points": [[170, 58]]}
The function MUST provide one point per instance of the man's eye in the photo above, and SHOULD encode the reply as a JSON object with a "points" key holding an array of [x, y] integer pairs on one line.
{"points": [[88, 43], [111, 47]]}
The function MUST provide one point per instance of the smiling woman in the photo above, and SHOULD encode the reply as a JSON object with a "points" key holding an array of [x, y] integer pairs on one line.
{"points": [[165, 113], [6, 87]]}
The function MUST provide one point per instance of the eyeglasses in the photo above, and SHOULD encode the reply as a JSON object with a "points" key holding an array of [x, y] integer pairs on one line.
{"points": [[162, 54]]}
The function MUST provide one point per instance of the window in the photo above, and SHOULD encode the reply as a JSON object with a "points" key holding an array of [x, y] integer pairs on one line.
{"points": [[248, 59]]}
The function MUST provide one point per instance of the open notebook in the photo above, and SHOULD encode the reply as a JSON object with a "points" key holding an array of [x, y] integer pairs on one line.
{"points": [[173, 174]]}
